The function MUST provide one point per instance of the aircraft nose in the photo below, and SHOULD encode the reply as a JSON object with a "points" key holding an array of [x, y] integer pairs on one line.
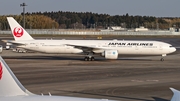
{"points": [[173, 49]]}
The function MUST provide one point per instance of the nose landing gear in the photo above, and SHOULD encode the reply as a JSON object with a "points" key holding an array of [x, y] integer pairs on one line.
{"points": [[162, 57]]}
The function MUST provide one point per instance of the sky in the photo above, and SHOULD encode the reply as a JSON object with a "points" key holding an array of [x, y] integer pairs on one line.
{"points": [[157, 8]]}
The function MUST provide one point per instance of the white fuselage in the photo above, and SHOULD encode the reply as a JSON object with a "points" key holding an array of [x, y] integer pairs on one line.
{"points": [[99, 46]]}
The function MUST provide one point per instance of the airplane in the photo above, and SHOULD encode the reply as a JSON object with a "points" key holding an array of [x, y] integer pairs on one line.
{"points": [[176, 96], [12, 90], [110, 49]]}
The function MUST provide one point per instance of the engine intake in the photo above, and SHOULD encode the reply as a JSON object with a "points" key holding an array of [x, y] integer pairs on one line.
{"points": [[110, 54]]}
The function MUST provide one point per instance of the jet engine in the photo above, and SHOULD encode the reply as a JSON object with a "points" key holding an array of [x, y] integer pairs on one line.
{"points": [[110, 54]]}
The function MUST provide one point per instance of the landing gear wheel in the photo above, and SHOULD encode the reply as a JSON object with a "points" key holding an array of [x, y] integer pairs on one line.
{"points": [[92, 58], [89, 59], [162, 59], [86, 59]]}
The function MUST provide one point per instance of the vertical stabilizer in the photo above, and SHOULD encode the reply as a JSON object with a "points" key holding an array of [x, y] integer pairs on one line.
{"points": [[176, 96], [18, 32], [9, 84]]}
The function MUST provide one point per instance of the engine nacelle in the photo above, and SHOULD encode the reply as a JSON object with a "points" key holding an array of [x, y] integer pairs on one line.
{"points": [[110, 54]]}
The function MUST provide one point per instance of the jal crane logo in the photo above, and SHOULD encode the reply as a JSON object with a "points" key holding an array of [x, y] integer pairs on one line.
{"points": [[18, 32]]}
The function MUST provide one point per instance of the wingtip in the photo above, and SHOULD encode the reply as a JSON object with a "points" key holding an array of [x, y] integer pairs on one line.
{"points": [[173, 90]]}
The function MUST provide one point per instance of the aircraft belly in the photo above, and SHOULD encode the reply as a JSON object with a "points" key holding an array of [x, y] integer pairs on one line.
{"points": [[54, 50], [32, 48], [140, 51]]}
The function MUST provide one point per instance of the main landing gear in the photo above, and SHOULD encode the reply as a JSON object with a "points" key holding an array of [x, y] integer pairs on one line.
{"points": [[89, 57]]}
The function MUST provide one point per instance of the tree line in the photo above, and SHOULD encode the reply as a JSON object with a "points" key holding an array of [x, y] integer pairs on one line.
{"points": [[83, 20], [31, 22]]}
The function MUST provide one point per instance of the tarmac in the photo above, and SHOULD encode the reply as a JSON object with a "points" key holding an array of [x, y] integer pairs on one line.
{"points": [[126, 79]]}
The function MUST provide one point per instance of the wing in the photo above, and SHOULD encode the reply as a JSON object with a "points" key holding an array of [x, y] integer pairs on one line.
{"points": [[176, 96], [87, 48]]}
